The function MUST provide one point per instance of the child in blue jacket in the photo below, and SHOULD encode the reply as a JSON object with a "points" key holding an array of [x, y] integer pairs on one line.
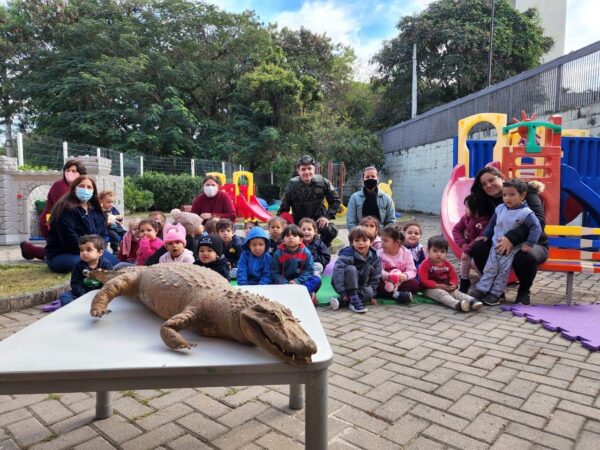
{"points": [[254, 265], [293, 263]]}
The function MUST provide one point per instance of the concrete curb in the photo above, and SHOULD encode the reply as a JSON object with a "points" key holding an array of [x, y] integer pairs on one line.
{"points": [[30, 299]]}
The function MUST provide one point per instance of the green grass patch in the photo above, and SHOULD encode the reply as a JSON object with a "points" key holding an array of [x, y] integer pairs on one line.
{"points": [[23, 278]]}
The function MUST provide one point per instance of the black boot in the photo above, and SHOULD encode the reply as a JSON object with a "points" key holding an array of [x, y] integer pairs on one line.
{"points": [[523, 298], [465, 284]]}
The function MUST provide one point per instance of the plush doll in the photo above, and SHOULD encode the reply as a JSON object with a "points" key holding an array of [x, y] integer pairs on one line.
{"points": [[393, 281]]}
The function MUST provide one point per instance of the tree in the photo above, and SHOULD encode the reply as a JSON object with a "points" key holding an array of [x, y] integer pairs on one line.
{"points": [[452, 38]]}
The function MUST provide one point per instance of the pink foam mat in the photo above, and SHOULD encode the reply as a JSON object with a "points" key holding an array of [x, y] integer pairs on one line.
{"points": [[574, 322]]}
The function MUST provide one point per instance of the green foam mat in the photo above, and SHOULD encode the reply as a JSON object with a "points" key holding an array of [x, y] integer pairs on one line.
{"points": [[327, 291]]}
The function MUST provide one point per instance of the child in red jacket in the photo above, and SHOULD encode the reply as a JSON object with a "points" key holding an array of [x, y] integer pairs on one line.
{"points": [[438, 278], [469, 228]]}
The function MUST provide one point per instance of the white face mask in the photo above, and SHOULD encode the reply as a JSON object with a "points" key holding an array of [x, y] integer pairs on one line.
{"points": [[210, 190]]}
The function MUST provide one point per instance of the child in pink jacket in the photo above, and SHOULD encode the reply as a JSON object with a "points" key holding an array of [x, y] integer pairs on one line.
{"points": [[398, 274], [149, 241], [470, 227]]}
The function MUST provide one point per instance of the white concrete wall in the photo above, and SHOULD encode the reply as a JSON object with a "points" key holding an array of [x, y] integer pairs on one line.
{"points": [[420, 173]]}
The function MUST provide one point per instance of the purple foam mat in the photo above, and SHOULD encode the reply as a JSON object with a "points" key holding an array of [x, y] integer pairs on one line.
{"points": [[575, 322]]}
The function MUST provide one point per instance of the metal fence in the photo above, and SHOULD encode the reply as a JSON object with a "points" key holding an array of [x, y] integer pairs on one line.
{"points": [[565, 83]]}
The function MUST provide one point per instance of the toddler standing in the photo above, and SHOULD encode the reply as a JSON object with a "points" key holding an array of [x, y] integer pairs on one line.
{"points": [[510, 214], [91, 248], [412, 241], [372, 225], [174, 241], [439, 281], [356, 272], [254, 266], [149, 241], [398, 272], [465, 232], [292, 263], [318, 249]]}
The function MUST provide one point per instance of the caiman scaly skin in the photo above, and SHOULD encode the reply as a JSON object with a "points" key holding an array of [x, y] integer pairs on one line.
{"points": [[196, 298]]}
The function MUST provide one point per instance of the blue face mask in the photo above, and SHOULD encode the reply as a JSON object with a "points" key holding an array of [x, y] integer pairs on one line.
{"points": [[84, 194]]}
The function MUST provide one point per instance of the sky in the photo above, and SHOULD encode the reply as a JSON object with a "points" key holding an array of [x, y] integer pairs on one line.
{"points": [[365, 24]]}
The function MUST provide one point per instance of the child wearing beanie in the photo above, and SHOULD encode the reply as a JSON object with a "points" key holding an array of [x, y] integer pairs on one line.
{"points": [[174, 242], [210, 255]]}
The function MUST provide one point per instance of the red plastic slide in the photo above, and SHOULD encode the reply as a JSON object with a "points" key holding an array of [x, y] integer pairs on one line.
{"points": [[251, 210]]}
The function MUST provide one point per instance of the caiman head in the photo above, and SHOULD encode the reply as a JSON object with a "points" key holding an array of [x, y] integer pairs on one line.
{"points": [[271, 326]]}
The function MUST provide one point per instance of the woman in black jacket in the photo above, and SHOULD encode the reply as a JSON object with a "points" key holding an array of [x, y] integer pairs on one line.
{"points": [[488, 187], [77, 213]]}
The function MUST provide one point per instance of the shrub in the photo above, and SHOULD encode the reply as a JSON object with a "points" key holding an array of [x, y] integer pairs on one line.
{"points": [[170, 191], [136, 199], [269, 192]]}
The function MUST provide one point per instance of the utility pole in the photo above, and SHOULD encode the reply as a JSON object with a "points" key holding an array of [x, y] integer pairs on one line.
{"points": [[414, 82], [491, 45]]}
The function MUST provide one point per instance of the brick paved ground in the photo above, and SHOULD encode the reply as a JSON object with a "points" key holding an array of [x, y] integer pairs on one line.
{"points": [[418, 377]]}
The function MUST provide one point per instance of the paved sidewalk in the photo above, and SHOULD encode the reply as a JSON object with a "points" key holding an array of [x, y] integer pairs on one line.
{"points": [[417, 377]]}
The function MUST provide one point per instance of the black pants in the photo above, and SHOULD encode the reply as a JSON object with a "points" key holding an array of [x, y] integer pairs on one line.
{"points": [[328, 234], [524, 264]]}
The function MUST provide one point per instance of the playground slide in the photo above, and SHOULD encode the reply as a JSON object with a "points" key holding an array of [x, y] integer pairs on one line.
{"points": [[452, 208], [252, 209], [571, 183]]}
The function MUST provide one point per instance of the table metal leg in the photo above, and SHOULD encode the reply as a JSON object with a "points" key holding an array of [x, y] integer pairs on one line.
{"points": [[296, 397], [103, 404], [315, 415]]}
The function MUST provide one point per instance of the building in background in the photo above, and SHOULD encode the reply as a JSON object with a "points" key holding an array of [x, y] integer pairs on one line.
{"points": [[554, 19]]}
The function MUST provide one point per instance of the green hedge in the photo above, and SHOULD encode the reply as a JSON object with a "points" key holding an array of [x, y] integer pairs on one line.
{"points": [[136, 199], [170, 191]]}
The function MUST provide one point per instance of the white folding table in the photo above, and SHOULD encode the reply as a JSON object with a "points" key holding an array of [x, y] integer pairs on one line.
{"points": [[70, 351]]}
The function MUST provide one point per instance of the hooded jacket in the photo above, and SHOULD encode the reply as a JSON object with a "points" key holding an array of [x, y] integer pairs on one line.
{"points": [[287, 266], [252, 270], [368, 268]]}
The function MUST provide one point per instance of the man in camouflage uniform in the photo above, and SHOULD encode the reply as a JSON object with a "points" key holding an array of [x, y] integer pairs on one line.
{"points": [[305, 193]]}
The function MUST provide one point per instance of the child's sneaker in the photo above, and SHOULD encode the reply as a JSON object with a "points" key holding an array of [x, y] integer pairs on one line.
{"points": [[334, 303], [475, 305], [476, 293], [465, 284], [490, 299], [462, 305], [402, 297], [357, 305]]}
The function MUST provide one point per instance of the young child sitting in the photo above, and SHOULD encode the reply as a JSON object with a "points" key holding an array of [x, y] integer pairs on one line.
{"points": [[160, 219], [275, 226], [398, 273], [311, 241], [129, 244], [113, 219], [356, 272], [292, 263], [210, 227], [412, 241], [210, 255], [174, 242], [194, 228], [232, 244], [470, 227], [510, 214], [91, 248], [372, 225], [248, 225], [439, 281], [254, 266], [149, 241]]}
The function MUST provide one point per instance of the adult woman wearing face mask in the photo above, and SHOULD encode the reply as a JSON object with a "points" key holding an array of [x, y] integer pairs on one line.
{"points": [[369, 201], [213, 202], [71, 170], [76, 214]]}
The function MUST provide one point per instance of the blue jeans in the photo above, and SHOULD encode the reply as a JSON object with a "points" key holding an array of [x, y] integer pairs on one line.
{"points": [[66, 298], [65, 262], [313, 284]]}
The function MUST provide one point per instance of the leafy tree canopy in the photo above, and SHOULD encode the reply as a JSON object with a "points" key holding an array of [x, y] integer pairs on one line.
{"points": [[452, 38]]}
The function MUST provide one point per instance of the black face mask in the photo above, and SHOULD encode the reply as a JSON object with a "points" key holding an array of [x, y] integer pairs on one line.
{"points": [[370, 184]]}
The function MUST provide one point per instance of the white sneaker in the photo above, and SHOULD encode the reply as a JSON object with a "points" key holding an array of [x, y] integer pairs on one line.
{"points": [[334, 303]]}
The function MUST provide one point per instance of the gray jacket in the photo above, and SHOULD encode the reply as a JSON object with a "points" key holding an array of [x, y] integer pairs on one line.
{"points": [[368, 269], [355, 205]]}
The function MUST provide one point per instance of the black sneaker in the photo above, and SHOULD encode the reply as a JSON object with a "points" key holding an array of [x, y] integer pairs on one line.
{"points": [[490, 299], [402, 297], [476, 293], [465, 284], [523, 298]]}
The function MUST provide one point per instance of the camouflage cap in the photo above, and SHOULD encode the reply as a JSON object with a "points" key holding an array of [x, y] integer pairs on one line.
{"points": [[306, 160]]}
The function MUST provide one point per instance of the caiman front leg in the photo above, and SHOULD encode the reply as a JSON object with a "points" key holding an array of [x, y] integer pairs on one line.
{"points": [[169, 332], [122, 285]]}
